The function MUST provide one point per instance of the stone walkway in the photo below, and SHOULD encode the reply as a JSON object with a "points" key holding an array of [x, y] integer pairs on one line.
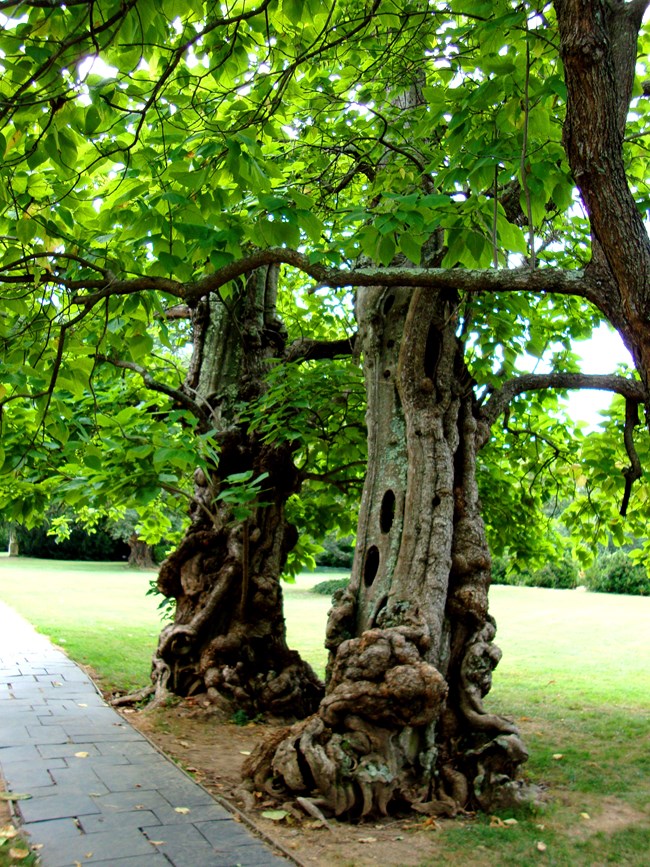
{"points": [[100, 792]]}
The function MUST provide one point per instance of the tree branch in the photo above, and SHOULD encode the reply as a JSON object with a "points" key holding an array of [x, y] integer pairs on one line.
{"points": [[544, 280], [631, 389], [633, 472], [179, 396], [315, 350]]}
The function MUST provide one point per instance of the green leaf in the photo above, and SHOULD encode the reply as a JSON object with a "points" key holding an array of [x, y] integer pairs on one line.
{"points": [[411, 247], [275, 815]]}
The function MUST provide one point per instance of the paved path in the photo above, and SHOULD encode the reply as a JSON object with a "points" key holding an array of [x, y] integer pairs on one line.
{"points": [[101, 793]]}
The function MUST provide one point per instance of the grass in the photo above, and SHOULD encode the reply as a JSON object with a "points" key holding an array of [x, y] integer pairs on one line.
{"points": [[574, 675], [98, 612]]}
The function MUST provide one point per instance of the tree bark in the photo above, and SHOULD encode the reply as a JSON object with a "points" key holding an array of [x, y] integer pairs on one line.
{"points": [[14, 546], [228, 636], [410, 640], [140, 553], [598, 46]]}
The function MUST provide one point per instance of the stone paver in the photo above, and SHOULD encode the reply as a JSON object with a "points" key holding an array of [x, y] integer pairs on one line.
{"points": [[101, 793]]}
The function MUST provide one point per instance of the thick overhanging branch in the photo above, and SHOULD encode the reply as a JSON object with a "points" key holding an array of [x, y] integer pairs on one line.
{"points": [[499, 400], [542, 280]]}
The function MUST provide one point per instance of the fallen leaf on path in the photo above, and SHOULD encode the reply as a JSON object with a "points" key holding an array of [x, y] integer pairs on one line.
{"points": [[82, 755], [367, 839], [157, 842], [88, 855], [81, 704], [275, 815], [244, 752], [184, 743], [14, 796], [585, 816], [183, 810]]}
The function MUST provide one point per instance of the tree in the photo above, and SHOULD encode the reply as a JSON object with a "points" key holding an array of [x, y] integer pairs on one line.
{"points": [[411, 152]]}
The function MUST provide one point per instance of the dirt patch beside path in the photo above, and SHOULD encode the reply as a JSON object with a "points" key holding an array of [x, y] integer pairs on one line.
{"points": [[212, 748]]}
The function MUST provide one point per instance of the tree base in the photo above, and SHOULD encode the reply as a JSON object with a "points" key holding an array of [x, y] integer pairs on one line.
{"points": [[385, 739]]}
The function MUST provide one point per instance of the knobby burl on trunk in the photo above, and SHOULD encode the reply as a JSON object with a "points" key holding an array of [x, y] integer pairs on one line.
{"points": [[411, 646], [228, 636]]}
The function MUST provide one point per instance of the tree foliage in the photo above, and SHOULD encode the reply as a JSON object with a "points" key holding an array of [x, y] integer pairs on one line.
{"points": [[150, 158]]}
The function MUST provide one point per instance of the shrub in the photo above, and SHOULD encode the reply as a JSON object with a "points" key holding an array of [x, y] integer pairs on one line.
{"points": [[336, 552], [616, 572], [79, 546], [327, 588], [559, 575]]}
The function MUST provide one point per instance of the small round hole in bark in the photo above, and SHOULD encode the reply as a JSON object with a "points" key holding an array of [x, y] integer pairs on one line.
{"points": [[371, 566], [387, 374], [431, 352], [388, 303], [435, 502], [390, 344], [387, 513]]}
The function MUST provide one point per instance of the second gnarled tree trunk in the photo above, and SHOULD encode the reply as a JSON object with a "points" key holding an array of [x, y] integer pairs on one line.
{"points": [[228, 636], [410, 640]]}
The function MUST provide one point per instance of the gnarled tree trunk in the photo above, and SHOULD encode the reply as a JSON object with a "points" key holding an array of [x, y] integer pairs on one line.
{"points": [[410, 640], [228, 636], [141, 554]]}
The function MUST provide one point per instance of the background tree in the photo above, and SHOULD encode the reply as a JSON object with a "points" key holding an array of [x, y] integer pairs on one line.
{"points": [[273, 144]]}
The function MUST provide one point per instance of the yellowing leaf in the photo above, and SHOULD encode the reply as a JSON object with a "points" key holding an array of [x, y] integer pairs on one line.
{"points": [[82, 755], [541, 847], [585, 816], [183, 810], [14, 796], [367, 839], [18, 854], [558, 756]]}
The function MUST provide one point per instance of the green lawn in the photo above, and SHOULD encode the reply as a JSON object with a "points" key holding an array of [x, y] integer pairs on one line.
{"points": [[574, 674], [98, 612]]}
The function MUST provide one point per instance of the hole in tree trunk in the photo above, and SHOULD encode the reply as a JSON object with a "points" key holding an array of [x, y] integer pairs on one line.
{"points": [[371, 566], [388, 303], [431, 352], [387, 374], [435, 502], [387, 512]]}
